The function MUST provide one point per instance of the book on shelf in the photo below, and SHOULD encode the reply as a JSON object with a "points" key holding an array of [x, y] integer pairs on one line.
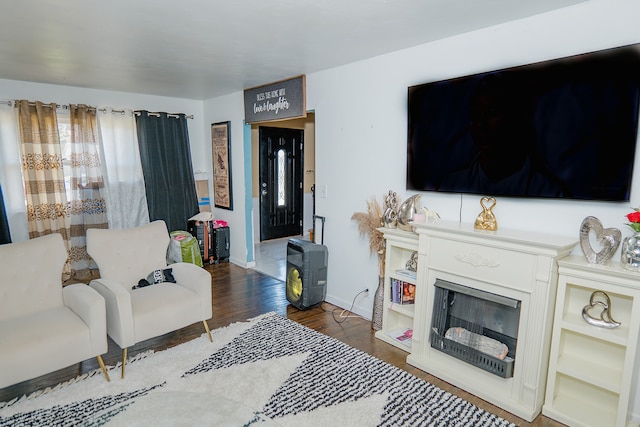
{"points": [[403, 335], [407, 273], [402, 292]]}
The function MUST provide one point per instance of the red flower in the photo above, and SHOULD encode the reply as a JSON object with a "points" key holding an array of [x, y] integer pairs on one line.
{"points": [[634, 217]]}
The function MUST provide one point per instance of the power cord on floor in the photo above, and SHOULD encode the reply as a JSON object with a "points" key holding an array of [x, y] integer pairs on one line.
{"points": [[342, 313]]}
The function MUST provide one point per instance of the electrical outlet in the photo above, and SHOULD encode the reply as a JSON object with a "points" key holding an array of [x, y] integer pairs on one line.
{"points": [[323, 191], [366, 292]]}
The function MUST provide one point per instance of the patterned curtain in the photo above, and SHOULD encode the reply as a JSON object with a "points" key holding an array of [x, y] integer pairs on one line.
{"points": [[42, 172], [87, 207]]}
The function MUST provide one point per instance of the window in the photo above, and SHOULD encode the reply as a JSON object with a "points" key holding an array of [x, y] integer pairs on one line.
{"points": [[281, 178]]}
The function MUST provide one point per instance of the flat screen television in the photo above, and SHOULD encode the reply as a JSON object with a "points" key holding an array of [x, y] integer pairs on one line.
{"points": [[565, 128]]}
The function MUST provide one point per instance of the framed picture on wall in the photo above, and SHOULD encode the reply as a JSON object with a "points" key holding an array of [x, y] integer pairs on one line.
{"points": [[221, 144]]}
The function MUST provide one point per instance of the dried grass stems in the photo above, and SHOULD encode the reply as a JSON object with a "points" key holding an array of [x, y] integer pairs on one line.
{"points": [[368, 224]]}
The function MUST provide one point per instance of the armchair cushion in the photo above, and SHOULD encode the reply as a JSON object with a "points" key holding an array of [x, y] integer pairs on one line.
{"points": [[128, 255], [32, 276]]}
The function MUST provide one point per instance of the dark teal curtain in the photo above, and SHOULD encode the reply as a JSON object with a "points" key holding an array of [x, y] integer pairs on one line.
{"points": [[167, 168], [5, 236]]}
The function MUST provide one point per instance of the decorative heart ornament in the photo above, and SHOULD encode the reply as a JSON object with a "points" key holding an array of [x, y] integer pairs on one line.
{"points": [[607, 238], [486, 220], [598, 311]]}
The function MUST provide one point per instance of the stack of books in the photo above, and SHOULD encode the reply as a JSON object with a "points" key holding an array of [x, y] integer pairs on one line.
{"points": [[402, 292]]}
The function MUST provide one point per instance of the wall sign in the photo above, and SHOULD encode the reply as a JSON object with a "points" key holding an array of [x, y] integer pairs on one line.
{"points": [[221, 145], [281, 100]]}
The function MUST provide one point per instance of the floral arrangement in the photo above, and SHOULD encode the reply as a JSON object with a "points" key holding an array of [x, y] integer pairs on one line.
{"points": [[368, 224], [634, 218]]}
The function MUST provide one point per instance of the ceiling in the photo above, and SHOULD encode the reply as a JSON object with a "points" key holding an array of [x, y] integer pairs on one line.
{"points": [[200, 49]]}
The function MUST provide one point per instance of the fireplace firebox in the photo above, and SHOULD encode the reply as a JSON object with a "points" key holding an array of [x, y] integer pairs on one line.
{"points": [[478, 327]]}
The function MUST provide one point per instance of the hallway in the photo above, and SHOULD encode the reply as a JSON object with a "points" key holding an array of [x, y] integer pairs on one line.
{"points": [[271, 257]]}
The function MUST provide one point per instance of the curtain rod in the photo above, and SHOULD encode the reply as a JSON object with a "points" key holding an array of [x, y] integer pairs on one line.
{"points": [[102, 110], [155, 114]]}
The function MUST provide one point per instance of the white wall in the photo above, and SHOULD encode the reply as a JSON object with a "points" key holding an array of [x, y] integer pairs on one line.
{"points": [[222, 109], [361, 121]]}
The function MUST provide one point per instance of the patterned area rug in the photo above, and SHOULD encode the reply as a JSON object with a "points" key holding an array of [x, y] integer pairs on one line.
{"points": [[267, 371]]}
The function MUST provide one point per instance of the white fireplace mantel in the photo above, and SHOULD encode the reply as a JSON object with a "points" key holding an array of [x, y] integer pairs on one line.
{"points": [[516, 264]]}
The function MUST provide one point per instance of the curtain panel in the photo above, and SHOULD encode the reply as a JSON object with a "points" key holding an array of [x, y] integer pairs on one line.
{"points": [[167, 167], [5, 234], [124, 189], [42, 172], [11, 173], [86, 205]]}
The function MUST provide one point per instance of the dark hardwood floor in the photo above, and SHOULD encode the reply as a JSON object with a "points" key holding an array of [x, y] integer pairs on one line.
{"points": [[239, 294]]}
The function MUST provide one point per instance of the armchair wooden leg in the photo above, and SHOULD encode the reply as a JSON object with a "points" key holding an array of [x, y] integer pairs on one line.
{"points": [[206, 327], [124, 361], [104, 370]]}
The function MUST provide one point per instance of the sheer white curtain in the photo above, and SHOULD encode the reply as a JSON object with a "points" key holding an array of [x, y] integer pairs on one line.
{"points": [[125, 191], [11, 173]]}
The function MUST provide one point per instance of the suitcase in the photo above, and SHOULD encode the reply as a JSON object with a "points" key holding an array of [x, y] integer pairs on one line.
{"points": [[221, 244], [203, 232]]}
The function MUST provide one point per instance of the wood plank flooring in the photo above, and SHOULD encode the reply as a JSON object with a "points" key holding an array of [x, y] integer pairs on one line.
{"points": [[239, 294]]}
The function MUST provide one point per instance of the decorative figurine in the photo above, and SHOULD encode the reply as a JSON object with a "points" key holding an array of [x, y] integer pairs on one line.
{"points": [[390, 215], [608, 238], [406, 211], [600, 304], [486, 220], [431, 216]]}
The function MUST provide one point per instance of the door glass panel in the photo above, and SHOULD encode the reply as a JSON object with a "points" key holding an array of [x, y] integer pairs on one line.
{"points": [[281, 178]]}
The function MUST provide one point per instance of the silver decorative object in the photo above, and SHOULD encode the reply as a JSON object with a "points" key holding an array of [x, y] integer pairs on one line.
{"points": [[608, 238], [406, 211], [412, 263], [390, 214], [630, 252], [600, 306]]}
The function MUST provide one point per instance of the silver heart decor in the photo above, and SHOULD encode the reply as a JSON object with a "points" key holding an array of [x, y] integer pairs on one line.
{"points": [[608, 238], [600, 304]]}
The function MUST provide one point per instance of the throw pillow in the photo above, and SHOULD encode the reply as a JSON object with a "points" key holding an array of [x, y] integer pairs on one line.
{"points": [[156, 276]]}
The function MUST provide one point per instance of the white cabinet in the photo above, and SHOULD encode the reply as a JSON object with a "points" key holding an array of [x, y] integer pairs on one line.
{"points": [[398, 312], [592, 370]]}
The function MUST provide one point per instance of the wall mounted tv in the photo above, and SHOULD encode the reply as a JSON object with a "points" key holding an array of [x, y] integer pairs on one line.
{"points": [[565, 128]]}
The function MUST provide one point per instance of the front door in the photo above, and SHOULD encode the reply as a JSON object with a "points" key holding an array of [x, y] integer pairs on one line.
{"points": [[281, 168]]}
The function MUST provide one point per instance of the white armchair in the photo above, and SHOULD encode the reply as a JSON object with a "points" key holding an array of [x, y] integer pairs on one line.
{"points": [[124, 257], [43, 326]]}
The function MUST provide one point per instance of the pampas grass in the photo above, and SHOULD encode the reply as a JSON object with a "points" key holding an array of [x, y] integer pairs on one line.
{"points": [[368, 224]]}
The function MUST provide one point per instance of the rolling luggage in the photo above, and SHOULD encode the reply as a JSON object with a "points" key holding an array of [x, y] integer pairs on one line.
{"points": [[221, 244], [203, 232]]}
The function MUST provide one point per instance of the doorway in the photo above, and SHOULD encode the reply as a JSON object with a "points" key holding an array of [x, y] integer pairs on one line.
{"points": [[280, 171], [270, 255]]}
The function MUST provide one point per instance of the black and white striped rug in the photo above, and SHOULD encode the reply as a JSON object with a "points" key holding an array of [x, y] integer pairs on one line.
{"points": [[267, 371]]}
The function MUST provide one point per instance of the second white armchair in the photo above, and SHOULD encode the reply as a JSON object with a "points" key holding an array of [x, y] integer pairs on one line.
{"points": [[145, 297]]}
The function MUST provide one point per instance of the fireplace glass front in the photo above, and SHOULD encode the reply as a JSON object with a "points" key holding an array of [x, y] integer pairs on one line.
{"points": [[475, 326]]}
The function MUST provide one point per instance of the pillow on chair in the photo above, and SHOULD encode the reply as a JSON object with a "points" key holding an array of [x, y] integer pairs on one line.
{"points": [[156, 276]]}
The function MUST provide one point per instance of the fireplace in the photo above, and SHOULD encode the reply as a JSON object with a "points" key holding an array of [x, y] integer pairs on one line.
{"points": [[475, 326], [487, 289]]}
